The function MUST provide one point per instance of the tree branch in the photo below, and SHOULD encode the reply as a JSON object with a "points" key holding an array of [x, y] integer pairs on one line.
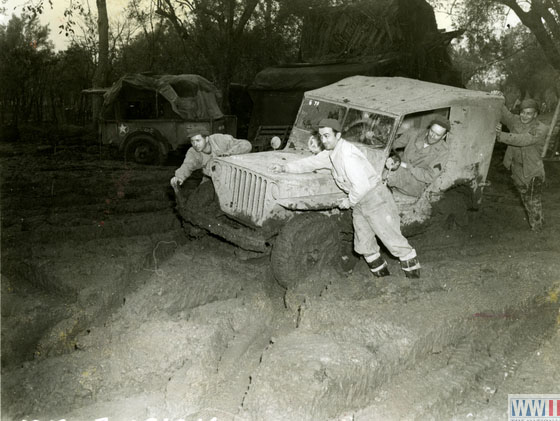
{"points": [[549, 18], [247, 13], [532, 20]]}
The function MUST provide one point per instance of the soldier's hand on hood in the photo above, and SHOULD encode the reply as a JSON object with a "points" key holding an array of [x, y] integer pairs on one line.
{"points": [[344, 203]]}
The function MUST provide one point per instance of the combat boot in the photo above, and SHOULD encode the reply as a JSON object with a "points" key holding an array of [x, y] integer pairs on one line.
{"points": [[379, 267], [411, 267]]}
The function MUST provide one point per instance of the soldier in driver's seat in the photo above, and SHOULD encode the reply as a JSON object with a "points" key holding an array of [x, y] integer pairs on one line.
{"points": [[424, 157]]}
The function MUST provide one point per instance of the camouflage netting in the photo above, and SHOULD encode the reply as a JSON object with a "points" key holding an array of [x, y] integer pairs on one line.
{"points": [[191, 96], [366, 29]]}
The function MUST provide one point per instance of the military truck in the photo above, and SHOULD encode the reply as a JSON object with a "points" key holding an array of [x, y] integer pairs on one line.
{"points": [[295, 217], [146, 117]]}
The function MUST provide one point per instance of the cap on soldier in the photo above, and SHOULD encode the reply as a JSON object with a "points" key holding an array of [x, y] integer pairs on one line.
{"points": [[330, 122], [529, 103], [203, 131], [441, 121]]}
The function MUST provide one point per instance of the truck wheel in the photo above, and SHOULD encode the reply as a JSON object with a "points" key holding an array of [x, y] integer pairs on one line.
{"points": [[144, 149], [306, 242]]}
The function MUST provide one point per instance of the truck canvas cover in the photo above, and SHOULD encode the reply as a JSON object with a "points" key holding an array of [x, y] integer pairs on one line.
{"points": [[192, 97]]}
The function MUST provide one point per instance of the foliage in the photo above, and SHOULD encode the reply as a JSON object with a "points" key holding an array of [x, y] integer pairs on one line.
{"points": [[526, 56], [25, 57], [37, 84]]}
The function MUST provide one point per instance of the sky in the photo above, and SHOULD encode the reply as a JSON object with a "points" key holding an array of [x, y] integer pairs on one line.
{"points": [[54, 17]]}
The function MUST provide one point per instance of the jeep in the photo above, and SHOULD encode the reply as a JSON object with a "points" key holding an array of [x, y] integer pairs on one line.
{"points": [[294, 217]]}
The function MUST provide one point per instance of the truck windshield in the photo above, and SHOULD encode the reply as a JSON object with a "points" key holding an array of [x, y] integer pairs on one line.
{"points": [[368, 128], [313, 111]]}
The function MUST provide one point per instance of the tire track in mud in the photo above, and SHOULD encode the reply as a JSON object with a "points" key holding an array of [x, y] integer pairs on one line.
{"points": [[76, 230], [207, 336]]}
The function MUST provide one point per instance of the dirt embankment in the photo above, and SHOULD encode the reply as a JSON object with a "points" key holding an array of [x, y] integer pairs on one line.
{"points": [[110, 320]]}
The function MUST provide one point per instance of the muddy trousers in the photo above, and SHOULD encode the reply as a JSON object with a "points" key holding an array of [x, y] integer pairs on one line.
{"points": [[531, 196], [377, 215], [404, 182]]}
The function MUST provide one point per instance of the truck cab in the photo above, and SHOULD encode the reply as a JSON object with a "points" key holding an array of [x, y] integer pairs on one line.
{"points": [[295, 217]]}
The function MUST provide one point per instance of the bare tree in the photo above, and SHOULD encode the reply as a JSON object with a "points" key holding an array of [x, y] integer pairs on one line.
{"points": [[101, 72]]}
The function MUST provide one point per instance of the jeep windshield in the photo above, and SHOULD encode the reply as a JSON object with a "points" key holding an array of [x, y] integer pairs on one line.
{"points": [[359, 126]]}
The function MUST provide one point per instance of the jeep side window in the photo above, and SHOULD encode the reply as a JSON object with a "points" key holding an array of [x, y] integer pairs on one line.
{"points": [[419, 120], [313, 111], [368, 128]]}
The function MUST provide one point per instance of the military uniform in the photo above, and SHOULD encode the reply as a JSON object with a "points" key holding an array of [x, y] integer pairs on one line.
{"points": [[523, 157], [424, 162], [374, 210], [221, 144]]}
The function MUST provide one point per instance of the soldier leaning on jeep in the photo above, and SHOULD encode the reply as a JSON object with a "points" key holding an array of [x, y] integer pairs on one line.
{"points": [[204, 148], [373, 209]]}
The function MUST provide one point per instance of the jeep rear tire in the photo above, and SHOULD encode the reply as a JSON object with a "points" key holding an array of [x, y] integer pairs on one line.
{"points": [[306, 242], [144, 149]]}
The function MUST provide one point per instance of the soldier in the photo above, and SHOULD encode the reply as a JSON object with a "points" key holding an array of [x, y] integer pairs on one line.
{"points": [[425, 154], [205, 147], [374, 211], [523, 156]]}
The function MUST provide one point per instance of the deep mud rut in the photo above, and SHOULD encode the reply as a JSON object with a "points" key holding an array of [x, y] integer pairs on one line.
{"points": [[109, 310]]}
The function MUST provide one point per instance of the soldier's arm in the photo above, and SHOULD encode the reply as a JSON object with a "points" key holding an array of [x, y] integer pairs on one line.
{"points": [[535, 135], [238, 146], [404, 139], [507, 117], [309, 164], [427, 175], [192, 162]]}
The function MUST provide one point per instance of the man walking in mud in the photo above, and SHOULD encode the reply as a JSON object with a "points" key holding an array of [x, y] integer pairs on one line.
{"points": [[523, 158], [425, 154], [374, 212], [205, 147]]}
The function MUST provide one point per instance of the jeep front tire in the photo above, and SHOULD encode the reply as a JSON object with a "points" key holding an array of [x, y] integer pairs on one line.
{"points": [[306, 243]]}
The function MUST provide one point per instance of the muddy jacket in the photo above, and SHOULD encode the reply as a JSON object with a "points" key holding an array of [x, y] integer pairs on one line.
{"points": [[425, 163], [526, 143], [221, 144], [351, 170]]}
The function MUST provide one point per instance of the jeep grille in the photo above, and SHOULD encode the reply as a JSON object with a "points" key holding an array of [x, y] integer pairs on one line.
{"points": [[248, 193]]}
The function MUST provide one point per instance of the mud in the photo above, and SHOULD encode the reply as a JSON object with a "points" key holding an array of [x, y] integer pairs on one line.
{"points": [[109, 310]]}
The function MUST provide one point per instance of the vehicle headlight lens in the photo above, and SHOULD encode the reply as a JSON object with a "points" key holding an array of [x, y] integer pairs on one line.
{"points": [[216, 169], [274, 191], [275, 142]]}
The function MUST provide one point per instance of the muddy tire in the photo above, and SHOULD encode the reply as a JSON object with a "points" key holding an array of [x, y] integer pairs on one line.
{"points": [[306, 242], [144, 149]]}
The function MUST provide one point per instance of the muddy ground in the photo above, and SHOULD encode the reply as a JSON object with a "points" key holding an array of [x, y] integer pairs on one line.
{"points": [[110, 311]]}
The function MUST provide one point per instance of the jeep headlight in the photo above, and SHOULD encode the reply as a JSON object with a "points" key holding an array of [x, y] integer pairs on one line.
{"points": [[216, 169], [274, 191], [275, 142]]}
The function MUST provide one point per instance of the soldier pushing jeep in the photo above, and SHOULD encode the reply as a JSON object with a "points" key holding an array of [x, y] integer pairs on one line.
{"points": [[205, 147], [523, 157], [374, 211]]}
